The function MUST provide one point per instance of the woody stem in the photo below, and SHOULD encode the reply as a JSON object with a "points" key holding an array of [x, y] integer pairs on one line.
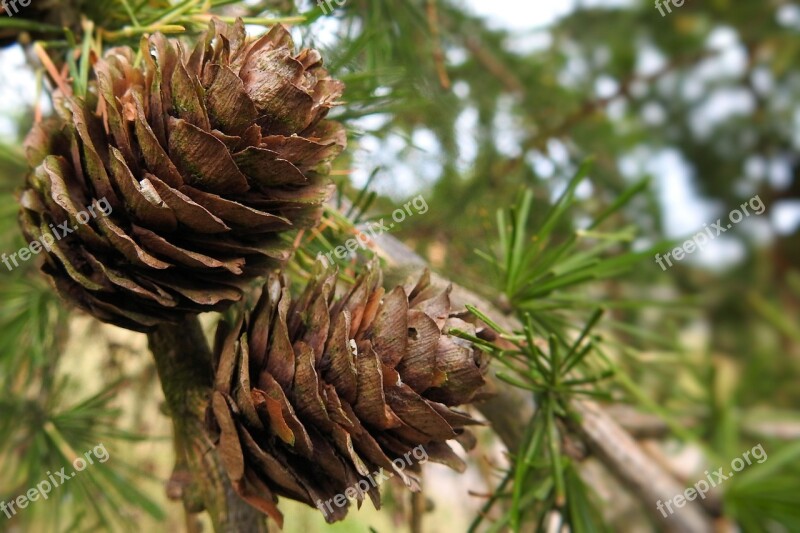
{"points": [[185, 369]]}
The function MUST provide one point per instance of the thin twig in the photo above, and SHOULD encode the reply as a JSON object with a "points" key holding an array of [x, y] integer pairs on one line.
{"points": [[438, 54], [510, 409], [495, 67], [41, 53], [417, 511]]}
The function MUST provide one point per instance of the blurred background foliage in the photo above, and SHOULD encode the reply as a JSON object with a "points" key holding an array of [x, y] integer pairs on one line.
{"points": [[684, 116]]}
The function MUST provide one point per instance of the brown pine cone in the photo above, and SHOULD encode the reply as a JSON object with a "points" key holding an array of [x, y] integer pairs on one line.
{"points": [[316, 398], [205, 159]]}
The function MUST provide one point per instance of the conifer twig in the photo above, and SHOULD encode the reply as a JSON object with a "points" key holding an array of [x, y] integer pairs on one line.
{"points": [[438, 54], [510, 409], [184, 365]]}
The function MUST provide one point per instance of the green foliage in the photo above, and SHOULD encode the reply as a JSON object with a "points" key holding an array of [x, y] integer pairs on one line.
{"points": [[56, 432], [762, 498], [543, 479], [44, 425], [533, 270]]}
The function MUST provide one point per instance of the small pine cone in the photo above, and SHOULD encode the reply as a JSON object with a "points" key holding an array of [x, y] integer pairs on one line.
{"points": [[205, 160], [314, 396]]}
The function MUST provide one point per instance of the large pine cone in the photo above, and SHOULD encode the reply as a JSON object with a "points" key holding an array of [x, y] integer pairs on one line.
{"points": [[205, 160], [314, 398]]}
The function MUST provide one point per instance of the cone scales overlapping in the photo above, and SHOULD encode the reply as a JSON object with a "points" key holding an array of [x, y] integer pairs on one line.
{"points": [[315, 394], [205, 157]]}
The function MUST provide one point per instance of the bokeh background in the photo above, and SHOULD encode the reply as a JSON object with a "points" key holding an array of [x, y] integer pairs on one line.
{"points": [[470, 103]]}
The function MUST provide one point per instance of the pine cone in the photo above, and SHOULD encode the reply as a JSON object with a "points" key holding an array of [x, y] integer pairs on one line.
{"points": [[205, 160], [314, 397]]}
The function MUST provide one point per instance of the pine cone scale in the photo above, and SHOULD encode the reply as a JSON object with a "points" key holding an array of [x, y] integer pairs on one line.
{"points": [[94, 166], [236, 215], [186, 102], [141, 198], [155, 156], [229, 446], [229, 107], [203, 160], [129, 248], [420, 357], [389, 331], [183, 256], [371, 400], [276, 471], [415, 412], [337, 363], [268, 168], [189, 213]]}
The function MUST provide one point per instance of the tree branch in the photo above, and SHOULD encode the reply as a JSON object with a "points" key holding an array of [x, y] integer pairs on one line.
{"points": [[185, 369], [511, 407]]}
